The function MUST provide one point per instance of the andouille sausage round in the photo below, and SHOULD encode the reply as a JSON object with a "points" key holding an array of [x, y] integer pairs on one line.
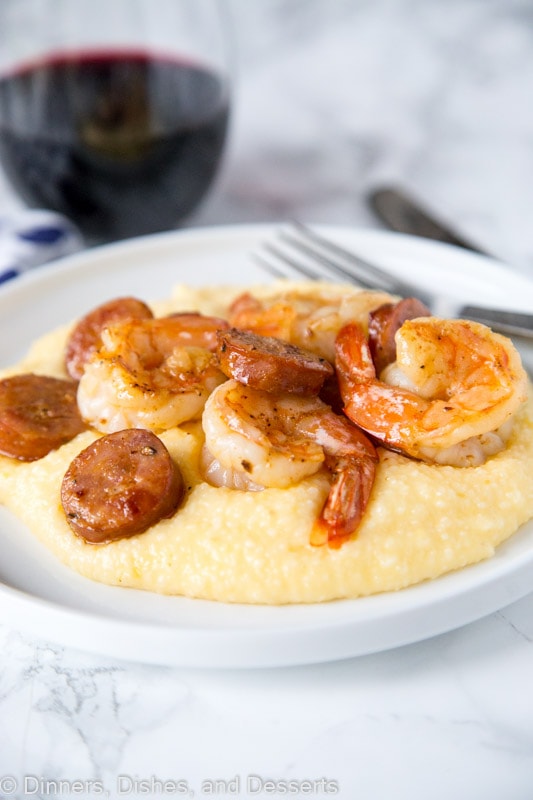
{"points": [[269, 364], [383, 324], [85, 337], [38, 414], [120, 485]]}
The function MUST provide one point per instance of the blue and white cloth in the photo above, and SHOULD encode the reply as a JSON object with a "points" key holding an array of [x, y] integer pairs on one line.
{"points": [[33, 237]]}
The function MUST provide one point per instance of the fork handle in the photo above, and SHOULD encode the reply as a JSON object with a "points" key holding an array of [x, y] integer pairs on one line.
{"points": [[403, 213]]}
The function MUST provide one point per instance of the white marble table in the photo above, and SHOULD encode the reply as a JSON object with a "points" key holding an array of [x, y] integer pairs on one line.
{"points": [[333, 98]]}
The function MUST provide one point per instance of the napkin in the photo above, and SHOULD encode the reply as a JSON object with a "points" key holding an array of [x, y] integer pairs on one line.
{"points": [[33, 237]]}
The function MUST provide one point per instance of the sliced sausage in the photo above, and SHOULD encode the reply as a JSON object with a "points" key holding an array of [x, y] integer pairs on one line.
{"points": [[270, 364], [384, 322], [37, 414], [85, 338], [122, 484]]}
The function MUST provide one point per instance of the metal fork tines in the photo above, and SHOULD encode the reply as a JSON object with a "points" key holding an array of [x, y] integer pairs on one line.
{"points": [[300, 251]]}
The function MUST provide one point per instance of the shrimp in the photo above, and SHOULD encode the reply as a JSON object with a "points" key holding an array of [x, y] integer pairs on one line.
{"points": [[448, 398], [151, 373], [256, 439], [311, 320]]}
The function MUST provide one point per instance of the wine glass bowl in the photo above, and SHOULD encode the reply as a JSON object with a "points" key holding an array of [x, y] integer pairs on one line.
{"points": [[122, 129]]}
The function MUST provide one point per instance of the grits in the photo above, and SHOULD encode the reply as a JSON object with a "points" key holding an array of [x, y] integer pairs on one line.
{"points": [[253, 547]]}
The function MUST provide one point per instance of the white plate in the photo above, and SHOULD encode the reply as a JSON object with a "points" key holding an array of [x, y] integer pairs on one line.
{"points": [[41, 596]]}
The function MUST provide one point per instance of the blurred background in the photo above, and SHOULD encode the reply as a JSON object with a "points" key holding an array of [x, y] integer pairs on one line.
{"points": [[333, 98]]}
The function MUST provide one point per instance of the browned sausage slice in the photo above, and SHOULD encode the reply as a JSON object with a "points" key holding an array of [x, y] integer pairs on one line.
{"points": [[120, 485], [384, 322], [85, 338], [270, 364], [37, 414]]}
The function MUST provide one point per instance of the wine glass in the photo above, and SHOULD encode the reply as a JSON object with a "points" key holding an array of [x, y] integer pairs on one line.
{"points": [[113, 112]]}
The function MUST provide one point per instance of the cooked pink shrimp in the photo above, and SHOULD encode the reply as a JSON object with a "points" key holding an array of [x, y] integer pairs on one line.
{"points": [[256, 439], [151, 373], [308, 320], [447, 399]]}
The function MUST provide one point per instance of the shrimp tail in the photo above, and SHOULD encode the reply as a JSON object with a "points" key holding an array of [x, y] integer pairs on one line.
{"points": [[341, 515], [353, 359]]}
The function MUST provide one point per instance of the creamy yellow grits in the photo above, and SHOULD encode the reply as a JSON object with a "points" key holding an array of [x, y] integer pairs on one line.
{"points": [[253, 547]]}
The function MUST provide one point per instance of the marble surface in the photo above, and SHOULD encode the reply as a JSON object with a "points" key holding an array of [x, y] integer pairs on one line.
{"points": [[332, 98]]}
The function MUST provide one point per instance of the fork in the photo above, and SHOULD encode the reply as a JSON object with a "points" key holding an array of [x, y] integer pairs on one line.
{"points": [[318, 258]]}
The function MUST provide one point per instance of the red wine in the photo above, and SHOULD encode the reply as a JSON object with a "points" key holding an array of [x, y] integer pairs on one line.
{"points": [[122, 143]]}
